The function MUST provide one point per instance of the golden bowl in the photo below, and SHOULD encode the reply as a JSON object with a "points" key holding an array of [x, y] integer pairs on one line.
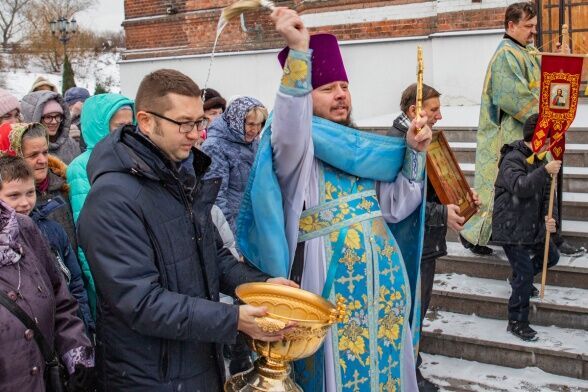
{"points": [[311, 313]]}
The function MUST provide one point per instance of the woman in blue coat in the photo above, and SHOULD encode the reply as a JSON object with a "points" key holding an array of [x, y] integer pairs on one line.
{"points": [[231, 143]]}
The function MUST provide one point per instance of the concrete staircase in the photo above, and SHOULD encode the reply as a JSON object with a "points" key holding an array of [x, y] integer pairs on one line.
{"points": [[464, 339]]}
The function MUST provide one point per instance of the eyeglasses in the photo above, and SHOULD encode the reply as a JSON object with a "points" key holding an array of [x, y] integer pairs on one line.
{"points": [[254, 125], [184, 127], [49, 118]]}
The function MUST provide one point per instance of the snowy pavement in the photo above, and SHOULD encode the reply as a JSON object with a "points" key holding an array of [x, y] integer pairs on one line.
{"points": [[481, 377]]}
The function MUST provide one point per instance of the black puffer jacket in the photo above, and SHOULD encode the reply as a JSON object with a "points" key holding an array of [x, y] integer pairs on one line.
{"points": [[521, 197], [434, 243], [158, 264]]}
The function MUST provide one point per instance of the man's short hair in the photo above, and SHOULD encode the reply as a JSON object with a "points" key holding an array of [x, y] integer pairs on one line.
{"points": [[13, 168], [155, 86], [519, 11], [409, 96]]}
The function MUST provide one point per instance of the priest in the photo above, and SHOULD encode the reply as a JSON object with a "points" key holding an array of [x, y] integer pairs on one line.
{"points": [[340, 210]]}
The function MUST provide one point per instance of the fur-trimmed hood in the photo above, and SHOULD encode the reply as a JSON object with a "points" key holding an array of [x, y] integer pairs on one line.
{"points": [[57, 175]]}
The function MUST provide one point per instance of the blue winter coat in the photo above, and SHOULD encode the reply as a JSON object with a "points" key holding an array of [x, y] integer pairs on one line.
{"points": [[232, 157], [65, 256]]}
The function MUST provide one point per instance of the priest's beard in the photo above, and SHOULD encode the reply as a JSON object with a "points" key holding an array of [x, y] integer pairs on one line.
{"points": [[348, 122]]}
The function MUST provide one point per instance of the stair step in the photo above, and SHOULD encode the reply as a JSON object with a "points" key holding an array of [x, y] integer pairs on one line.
{"points": [[469, 134], [575, 204], [559, 350], [574, 228], [569, 271], [575, 178], [576, 232], [453, 374], [562, 306], [576, 154]]}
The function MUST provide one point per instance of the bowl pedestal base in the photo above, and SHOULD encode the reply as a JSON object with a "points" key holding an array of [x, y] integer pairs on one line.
{"points": [[267, 375]]}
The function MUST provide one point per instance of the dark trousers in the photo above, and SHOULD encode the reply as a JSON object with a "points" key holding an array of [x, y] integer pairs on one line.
{"points": [[427, 278], [526, 262]]}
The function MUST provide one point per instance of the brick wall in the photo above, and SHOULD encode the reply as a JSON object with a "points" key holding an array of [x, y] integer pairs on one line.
{"points": [[151, 32]]}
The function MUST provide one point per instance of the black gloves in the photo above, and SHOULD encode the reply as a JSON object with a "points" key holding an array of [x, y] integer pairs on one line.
{"points": [[83, 380]]}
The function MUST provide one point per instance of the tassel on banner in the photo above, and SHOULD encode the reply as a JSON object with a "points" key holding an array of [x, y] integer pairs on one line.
{"points": [[540, 156]]}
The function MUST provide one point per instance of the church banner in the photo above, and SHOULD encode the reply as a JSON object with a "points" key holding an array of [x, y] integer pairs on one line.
{"points": [[560, 89]]}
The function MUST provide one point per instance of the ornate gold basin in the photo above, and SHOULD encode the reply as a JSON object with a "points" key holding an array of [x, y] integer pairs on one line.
{"points": [[313, 316]]}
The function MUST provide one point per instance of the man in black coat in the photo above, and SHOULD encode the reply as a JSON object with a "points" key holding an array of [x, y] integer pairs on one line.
{"points": [[520, 220], [156, 256], [438, 217]]}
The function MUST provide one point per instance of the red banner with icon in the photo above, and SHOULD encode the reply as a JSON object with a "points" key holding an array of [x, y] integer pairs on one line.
{"points": [[558, 101]]}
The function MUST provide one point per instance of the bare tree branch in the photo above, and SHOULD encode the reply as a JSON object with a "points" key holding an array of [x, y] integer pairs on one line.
{"points": [[11, 19]]}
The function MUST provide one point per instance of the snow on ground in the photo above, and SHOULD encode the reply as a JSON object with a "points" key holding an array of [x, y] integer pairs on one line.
{"points": [[567, 342], [464, 284], [457, 374], [88, 71]]}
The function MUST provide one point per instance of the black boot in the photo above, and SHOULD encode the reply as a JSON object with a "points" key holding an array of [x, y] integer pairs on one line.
{"points": [[424, 384], [477, 249], [568, 249], [522, 330]]}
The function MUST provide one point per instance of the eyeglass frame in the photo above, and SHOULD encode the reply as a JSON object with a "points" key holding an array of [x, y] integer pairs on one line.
{"points": [[53, 118], [197, 124], [259, 125]]}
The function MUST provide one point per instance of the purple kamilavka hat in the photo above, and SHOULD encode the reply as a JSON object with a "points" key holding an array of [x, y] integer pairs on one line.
{"points": [[327, 63]]}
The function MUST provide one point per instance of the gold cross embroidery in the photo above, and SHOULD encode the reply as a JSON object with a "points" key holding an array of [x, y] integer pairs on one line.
{"points": [[349, 258], [356, 382], [350, 280], [388, 251], [390, 384]]}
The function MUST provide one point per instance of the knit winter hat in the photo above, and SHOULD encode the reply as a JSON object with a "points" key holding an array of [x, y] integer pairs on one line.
{"points": [[75, 94], [8, 102], [52, 106], [529, 127], [11, 137]]}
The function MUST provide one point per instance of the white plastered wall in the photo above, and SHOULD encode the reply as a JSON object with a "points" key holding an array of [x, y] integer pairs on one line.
{"points": [[455, 64]]}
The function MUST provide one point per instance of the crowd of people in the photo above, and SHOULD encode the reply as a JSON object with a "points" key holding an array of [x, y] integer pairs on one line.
{"points": [[123, 221]]}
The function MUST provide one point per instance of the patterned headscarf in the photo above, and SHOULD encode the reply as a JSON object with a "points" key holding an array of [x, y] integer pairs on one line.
{"points": [[11, 137], [235, 114], [10, 250]]}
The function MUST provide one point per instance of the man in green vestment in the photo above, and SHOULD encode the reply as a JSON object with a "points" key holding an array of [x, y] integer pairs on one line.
{"points": [[509, 97]]}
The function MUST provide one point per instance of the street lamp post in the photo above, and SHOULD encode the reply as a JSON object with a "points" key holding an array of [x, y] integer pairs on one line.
{"points": [[63, 29]]}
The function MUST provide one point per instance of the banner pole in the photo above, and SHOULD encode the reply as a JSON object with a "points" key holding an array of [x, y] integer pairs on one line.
{"points": [[547, 236]]}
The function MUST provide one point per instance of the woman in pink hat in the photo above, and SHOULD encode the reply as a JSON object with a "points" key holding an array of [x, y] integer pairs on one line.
{"points": [[9, 108]]}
